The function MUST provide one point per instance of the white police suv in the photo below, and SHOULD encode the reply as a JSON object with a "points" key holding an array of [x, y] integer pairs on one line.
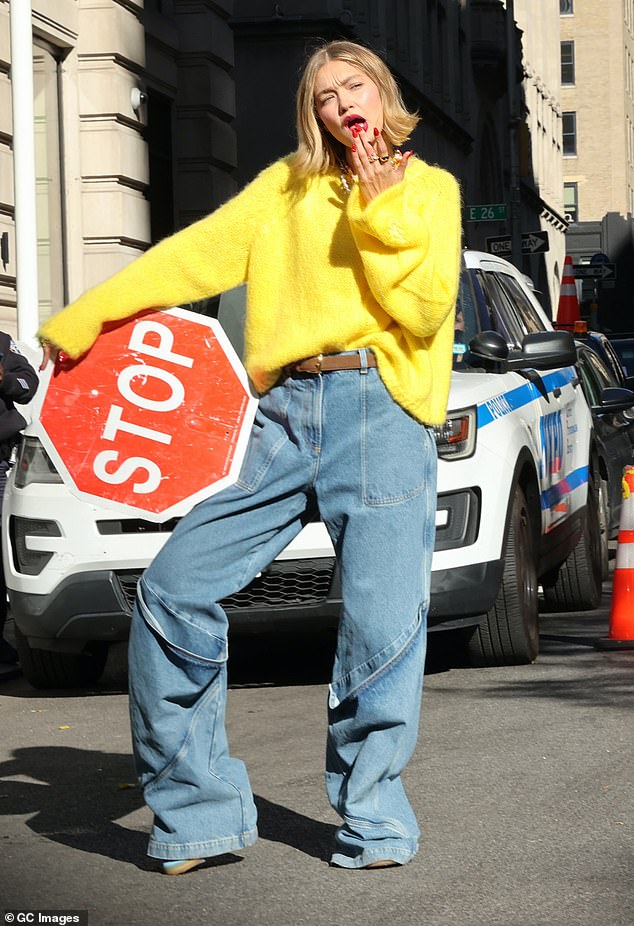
{"points": [[517, 509]]}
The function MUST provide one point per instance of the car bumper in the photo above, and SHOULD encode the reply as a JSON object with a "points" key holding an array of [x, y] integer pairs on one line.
{"points": [[100, 603], [291, 593], [463, 595]]}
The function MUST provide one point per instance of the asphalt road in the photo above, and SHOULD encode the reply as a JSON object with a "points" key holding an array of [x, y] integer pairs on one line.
{"points": [[522, 781]]}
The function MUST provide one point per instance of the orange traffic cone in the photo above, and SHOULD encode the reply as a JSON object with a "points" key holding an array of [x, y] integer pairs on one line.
{"points": [[621, 632], [568, 312]]}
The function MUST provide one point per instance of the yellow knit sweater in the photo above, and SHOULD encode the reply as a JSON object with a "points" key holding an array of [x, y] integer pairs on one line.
{"points": [[324, 274]]}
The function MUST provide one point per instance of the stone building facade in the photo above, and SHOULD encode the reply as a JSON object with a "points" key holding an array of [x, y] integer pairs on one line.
{"points": [[540, 137], [149, 115], [133, 109], [597, 99], [597, 96]]}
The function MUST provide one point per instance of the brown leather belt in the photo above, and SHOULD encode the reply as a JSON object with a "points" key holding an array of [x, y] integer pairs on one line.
{"points": [[328, 363]]}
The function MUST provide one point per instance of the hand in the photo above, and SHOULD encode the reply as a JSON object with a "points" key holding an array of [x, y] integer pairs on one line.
{"points": [[49, 352], [374, 167]]}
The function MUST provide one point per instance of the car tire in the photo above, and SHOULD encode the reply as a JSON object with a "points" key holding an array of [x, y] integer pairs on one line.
{"points": [[509, 634], [50, 669], [604, 527], [576, 586]]}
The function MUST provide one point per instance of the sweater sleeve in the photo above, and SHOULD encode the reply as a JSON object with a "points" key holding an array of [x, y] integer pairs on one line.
{"points": [[409, 241], [200, 261], [20, 380]]}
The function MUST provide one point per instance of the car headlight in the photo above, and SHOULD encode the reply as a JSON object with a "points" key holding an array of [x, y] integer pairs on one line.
{"points": [[456, 438], [34, 464]]}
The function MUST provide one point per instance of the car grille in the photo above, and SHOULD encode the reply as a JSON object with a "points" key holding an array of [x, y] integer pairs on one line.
{"points": [[283, 584]]}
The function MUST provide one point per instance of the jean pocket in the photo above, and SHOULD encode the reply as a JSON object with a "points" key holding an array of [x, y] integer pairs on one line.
{"points": [[398, 452], [268, 436]]}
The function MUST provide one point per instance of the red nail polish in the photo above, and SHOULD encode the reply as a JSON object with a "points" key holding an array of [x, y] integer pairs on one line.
{"points": [[376, 132], [354, 148]]}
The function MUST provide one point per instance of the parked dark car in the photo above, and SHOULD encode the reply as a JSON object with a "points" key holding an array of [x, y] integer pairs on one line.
{"points": [[612, 407], [606, 349], [624, 349]]}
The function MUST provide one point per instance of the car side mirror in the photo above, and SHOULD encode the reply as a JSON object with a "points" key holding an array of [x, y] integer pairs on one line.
{"points": [[487, 350], [547, 350], [614, 399]]}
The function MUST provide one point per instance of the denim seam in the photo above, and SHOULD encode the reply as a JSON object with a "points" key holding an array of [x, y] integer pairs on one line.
{"points": [[384, 824], [211, 691], [394, 853], [255, 483], [214, 774], [282, 418], [151, 621], [217, 846], [319, 401], [408, 636]]}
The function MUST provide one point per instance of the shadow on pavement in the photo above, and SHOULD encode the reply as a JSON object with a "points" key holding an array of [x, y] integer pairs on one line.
{"points": [[280, 824], [613, 689], [75, 797]]}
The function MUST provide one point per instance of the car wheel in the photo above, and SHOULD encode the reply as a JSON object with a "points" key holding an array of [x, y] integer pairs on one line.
{"points": [[509, 635], [576, 586], [49, 669], [604, 528]]}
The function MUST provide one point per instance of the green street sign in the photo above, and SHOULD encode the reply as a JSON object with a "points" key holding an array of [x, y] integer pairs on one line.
{"points": [[491, 212]]}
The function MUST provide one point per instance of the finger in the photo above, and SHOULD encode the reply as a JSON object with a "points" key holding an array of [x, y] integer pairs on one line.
{"points": [[46, 356], [368, 150], [357, 166], [380, 145], [401, 167], [361, 161], [49, 354]]}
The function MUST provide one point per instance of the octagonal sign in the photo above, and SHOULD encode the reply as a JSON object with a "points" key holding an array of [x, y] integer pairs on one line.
{"points": [[154, 418]]}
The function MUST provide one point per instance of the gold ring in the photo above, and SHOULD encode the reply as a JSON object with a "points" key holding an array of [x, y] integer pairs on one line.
{"points": [[384, 159], [373, 158]]}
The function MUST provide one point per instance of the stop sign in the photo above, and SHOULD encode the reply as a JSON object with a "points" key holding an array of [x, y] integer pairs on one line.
{"points": [[154, 418]]}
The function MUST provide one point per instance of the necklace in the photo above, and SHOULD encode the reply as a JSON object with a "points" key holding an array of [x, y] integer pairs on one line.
{"points": [[348, 177]]}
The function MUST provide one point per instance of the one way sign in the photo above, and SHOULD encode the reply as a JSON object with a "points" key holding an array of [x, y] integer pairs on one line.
{"points": [[603, 272], [532, 243]]}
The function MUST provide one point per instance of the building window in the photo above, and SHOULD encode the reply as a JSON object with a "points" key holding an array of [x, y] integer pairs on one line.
{"points": [[567, 63], [569, 134], [571, 202], [566, 7]]}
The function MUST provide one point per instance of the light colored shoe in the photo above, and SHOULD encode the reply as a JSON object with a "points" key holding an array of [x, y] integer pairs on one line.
{"points": [[180, 866], [379, 863]]}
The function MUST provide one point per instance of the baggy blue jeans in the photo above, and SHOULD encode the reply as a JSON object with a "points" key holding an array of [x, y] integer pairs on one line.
{"points": [[340, 440]]}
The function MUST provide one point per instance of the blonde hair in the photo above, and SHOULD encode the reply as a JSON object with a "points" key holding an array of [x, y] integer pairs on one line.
{"points": [[317, 150]]}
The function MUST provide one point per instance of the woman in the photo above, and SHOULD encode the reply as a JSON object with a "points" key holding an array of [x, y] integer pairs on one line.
{"points": [[351, 253]]}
